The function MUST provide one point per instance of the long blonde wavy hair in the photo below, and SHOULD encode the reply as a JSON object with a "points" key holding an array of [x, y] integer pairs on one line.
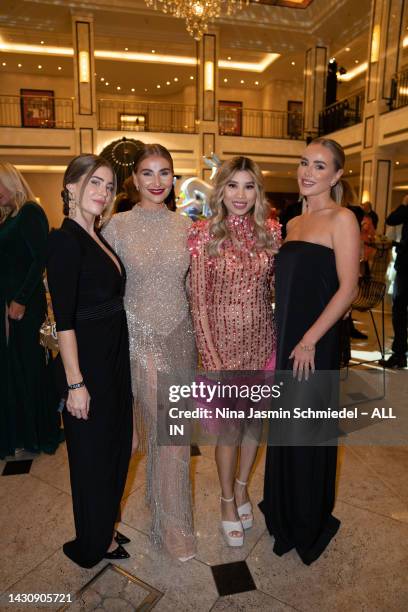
{"points": [[17, 186], [218, 228]]}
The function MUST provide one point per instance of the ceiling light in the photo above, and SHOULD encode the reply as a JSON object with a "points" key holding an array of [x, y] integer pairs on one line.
{"points": [[4, 64], [356, 61], [197, 13], [118, 87], [350, 172], [39, 66], [256, 82], [158, 86], [268, 59], [102, 79], [145, 88], [242, 81], [167, 82], [41, 42], [397, 163], [229, 58], [347, 48], [19, 65], [126, 49], [59, 67], [153, 50], [191, 78], [175, 79], [106, 83], [293, 63], [225, 80], [133, 89]]}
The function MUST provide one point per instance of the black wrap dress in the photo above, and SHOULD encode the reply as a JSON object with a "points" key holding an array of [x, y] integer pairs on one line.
{"points": [[87, 295]]}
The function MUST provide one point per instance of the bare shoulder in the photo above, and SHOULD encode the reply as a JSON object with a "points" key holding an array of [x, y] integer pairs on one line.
{"points": [[344, 218]]}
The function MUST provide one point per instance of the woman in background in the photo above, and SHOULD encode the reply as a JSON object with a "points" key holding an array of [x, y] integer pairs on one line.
{"points": [[87, 283], [28, 405], [232, 270], [317, 272]]}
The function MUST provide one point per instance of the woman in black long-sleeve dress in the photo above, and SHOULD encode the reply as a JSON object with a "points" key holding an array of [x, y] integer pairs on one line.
{"points": [[87, 282], [316, 280]]}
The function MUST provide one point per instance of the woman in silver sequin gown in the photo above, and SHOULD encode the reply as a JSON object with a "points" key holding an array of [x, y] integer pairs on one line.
{"points": [[152, 243]]}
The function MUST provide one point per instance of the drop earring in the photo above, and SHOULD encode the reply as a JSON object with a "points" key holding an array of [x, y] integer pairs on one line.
{"points": [[71, 205]]}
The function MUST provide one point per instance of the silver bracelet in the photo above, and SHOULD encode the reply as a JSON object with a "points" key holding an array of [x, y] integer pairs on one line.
{"points": [[76, 386]]}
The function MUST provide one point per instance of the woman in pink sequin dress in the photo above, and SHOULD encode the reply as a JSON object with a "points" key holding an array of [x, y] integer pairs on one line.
{"points": [[232, 266]]}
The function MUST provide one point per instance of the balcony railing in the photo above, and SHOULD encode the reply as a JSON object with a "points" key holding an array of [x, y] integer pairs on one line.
{"points": [[342, 114], [399, 90], [36, 112], [134, 116], [238, 121]]}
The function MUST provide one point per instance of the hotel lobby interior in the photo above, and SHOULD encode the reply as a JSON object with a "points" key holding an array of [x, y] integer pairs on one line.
{"points": [[263, 79]]}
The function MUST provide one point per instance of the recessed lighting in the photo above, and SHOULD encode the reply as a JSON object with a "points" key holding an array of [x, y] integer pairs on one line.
{"points": [[19, 65], [118, 87], [242, 81], [41, 42], [256, 82], [158, 86], [225, 80], [356, 61], [153, 50], [106, 83], [126, 49], [3, 64], [350, 172], [167, 82], [191, 78], [397, 163], [229, 58], [293, 63], [347, 48], [175, 79], [102, 79], [39, 66], [59, 67], [145, 88], [133, 89]]}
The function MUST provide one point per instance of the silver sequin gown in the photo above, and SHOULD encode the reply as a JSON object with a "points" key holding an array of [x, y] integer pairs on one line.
{"points": [[153, 248]]}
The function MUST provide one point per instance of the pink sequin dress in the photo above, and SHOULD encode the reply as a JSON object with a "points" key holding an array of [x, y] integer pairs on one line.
{"points": [[231, 297]]}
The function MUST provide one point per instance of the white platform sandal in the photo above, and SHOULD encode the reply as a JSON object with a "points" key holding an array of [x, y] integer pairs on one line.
{"points": [[230, 526], [245, 511]]}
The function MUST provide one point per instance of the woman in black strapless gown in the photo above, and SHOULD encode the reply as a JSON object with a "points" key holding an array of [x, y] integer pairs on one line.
{"points": [[316, 281]]}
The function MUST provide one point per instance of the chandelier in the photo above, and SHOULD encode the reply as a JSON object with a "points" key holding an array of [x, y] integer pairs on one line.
{"points": [[197, 13]]}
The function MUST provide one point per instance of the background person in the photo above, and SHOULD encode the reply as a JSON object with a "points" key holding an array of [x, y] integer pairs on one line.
{"points": [[28, 404]]}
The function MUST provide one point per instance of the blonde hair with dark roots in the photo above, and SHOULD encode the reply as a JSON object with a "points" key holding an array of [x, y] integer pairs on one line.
{"points": [[218, 228], [83, 167], [339, 159], [18, 187]]}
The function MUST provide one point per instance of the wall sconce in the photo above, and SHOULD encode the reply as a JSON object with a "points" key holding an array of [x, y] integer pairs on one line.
{"points": [[366, 196], [375, 44], [209, 76], [84, 68]]}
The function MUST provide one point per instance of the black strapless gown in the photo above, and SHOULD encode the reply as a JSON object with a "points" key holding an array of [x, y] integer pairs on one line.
{"points": [[300, 481]]}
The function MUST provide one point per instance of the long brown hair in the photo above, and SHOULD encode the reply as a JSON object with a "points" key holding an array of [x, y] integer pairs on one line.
{"points": [[150, 150], [218, 228], [83, 167]]}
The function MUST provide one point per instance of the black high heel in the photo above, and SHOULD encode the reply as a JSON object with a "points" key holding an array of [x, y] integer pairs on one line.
{"points": [[118, 553], [121, 539]]}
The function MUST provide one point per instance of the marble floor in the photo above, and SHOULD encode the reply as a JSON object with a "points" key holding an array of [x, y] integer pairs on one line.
{"points": [[364, 568]]}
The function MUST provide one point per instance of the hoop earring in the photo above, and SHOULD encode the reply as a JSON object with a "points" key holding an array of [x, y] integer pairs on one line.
{"points": [[71, 205]]}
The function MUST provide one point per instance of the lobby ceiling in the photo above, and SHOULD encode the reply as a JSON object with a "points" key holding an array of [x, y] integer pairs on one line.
{"points": [[128, 24]]}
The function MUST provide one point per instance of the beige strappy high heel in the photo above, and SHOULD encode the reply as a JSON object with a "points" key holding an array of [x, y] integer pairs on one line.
{"points": [[245, 510], [228, 527]]}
